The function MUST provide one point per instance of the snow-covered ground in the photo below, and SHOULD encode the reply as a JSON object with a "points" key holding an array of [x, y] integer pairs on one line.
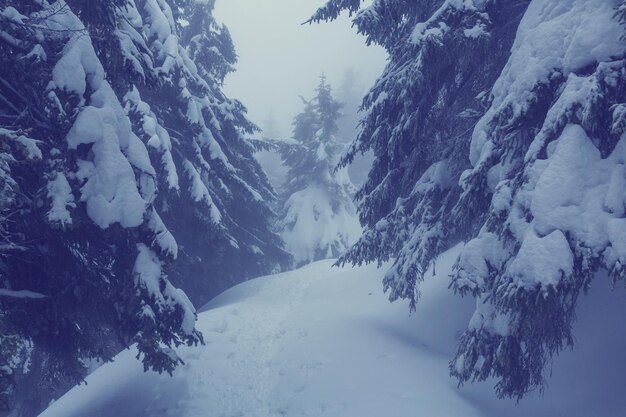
{"points": [[322, 341]]}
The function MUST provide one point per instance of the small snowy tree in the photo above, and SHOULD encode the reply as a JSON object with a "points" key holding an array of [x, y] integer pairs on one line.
{"points": [[319, 219]]}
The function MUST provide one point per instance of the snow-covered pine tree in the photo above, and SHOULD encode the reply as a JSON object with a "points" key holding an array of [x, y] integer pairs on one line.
{"points": [[82, 274], [540, 198], [213, 192], [443, 58], [144, 172], [319, 219], [549, 155]]}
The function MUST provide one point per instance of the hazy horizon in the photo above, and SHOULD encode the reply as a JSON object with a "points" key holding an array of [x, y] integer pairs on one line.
{"points": [[280, 59]]}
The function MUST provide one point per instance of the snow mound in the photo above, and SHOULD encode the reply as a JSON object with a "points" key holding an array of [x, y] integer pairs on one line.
{"points": [[323, 341], [318, 226]]}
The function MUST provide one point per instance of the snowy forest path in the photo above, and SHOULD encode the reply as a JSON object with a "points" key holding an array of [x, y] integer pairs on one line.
{"points": [[317, 341], [253, 332]]}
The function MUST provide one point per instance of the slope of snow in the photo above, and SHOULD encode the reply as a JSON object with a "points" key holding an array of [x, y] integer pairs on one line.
{"points": [[322, 341]]}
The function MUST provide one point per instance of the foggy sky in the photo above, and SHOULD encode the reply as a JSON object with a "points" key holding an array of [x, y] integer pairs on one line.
{"points": [[280, 59]]}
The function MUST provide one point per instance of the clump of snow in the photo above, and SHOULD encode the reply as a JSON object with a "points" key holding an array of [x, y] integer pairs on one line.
{"points": [[60, 192], [437, 175], [487, 318], [476, 31], [164, 239], [316, 226], [554, 37], [543, 260], [110, 189], [200, 192], [421, 32], [30, 146], [477, 259], [149, 275], [148, 271], [159, 138], [13, 15], [434, 27]]}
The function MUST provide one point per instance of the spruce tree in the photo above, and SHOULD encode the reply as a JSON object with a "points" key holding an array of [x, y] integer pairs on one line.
{"points": [[548, 157], [123, 172], [209, 168], [85, 277], [443, 59], [318, 217], [508, 136]]}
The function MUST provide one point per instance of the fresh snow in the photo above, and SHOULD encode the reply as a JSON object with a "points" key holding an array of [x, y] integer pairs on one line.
{"points": [[148, 272], [553, 37], [323, 341], [20, 294], [317, 224], [110, 189], [60, 192]]}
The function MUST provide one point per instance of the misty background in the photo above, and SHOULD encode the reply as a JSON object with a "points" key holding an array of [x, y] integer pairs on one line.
{"points": [[269, 80]]}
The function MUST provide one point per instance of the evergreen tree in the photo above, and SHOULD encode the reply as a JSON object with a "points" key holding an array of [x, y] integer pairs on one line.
{"points": [[548, 157], [319, 219], [539, 111], [139, 178], [84, 277], [225, 233], [443, 58]]}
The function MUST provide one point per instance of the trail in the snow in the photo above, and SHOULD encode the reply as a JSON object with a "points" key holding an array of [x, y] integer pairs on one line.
{"points": [[247, 340]]}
